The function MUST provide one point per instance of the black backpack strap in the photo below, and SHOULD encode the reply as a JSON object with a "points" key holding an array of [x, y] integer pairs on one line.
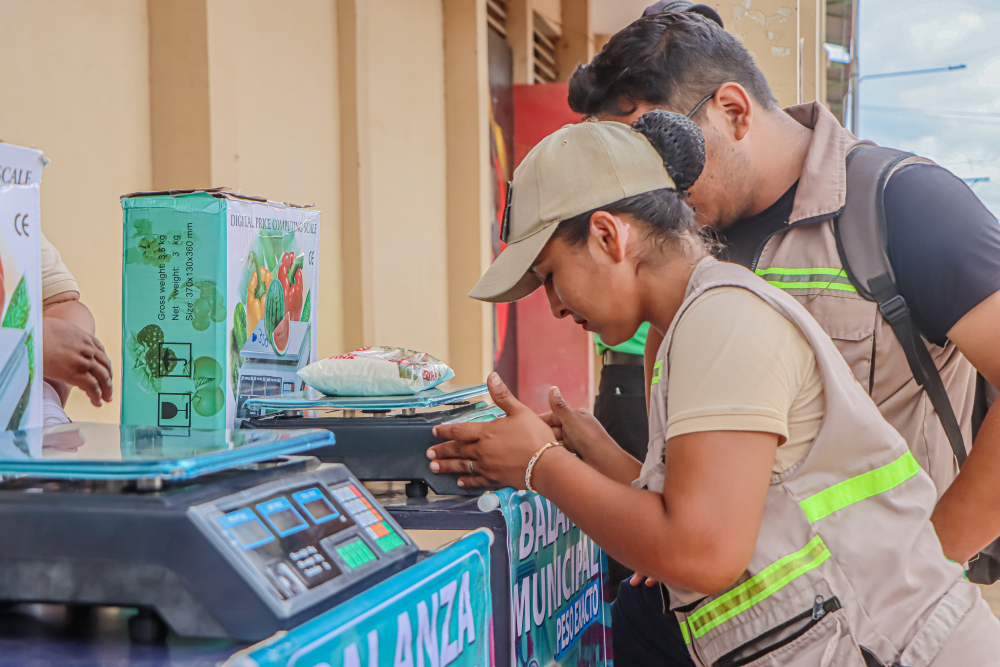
{"points": [[861, 242]]}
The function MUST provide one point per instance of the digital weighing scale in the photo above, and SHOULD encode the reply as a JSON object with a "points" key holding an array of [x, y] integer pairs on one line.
{"points": [[234, 534], [384, 440], [265, 372], [380, 438]]}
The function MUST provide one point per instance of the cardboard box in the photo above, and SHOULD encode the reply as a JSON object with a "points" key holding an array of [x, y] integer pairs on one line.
{"points": [[208, 316], [21, 375]]}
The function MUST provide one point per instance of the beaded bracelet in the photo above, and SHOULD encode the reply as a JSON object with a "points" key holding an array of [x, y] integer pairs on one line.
{"points": [[534, 459]]}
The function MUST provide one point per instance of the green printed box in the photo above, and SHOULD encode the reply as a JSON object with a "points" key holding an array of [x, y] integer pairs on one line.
{"points": [[219, 303], [20, 288]]}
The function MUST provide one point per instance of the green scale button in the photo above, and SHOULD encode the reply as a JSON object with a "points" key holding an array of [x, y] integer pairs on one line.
{"points": [[390, 542], [355, 554]]}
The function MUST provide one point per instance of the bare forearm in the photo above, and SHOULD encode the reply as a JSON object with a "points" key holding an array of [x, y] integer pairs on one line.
{"points": [[967, 517], [70, 310], [631, 525], [610, 460]]}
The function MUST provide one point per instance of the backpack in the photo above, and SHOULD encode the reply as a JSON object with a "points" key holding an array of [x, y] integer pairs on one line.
{"points": [[862, 250]]}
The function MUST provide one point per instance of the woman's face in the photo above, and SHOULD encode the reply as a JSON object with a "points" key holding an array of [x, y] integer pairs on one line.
{"points": [[595, 283]]}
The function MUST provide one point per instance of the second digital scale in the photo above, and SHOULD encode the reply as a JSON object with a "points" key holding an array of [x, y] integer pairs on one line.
{"points": [[380, 438]]}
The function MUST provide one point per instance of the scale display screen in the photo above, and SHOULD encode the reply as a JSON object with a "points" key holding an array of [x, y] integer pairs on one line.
{"points": [[316, 505], [282, 516], [317, 537], [246, 529]]}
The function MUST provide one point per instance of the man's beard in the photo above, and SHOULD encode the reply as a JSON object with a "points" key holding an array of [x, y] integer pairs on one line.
{"points": [[739, 184], [742, 186]]}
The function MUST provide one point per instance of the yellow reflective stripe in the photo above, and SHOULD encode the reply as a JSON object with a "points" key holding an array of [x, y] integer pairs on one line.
{"points": [[685, 632], [964, 573], [657, 372], [763, 585], [856, 489], [816, 271], [811, 278], [813, 285]]}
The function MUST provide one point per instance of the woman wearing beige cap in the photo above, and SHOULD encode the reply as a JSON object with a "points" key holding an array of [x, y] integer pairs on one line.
{"points": [[786, 519]]}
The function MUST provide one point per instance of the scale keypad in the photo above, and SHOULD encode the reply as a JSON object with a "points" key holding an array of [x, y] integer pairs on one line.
{"points": [[368, 517], [306, 536]]}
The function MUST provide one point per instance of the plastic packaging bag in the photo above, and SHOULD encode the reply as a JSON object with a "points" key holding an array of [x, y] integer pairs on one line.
{"points": [[376, 371]]}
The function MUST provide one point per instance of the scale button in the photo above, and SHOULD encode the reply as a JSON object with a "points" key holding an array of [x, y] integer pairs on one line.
{"points": [[326, 566], [301, 564], [318, 558], [313, 571], [311, 550]]}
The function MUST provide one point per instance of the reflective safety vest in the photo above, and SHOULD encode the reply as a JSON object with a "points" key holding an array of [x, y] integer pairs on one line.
{"points": [[846, 556], [803, 261]]}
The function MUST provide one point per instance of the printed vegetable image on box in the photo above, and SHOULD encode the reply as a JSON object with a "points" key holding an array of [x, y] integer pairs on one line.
{"points": [[20, 308], [21, 377], [219, 304]]}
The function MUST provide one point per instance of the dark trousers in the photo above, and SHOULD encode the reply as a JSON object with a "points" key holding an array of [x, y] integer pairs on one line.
{"points": [[620, 406], [641, 634]]}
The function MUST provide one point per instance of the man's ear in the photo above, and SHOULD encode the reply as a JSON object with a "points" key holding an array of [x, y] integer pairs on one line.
{"points": [[734, 102], [610, 233]]}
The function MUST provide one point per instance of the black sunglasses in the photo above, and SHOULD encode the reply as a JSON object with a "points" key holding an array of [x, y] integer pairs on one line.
{"points": [[700, 105]]}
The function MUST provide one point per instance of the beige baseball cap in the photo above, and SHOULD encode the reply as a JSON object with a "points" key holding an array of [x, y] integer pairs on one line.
{"points": [[576, 169]]}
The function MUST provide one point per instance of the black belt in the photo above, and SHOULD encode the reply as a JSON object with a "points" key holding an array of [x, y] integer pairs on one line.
{"points": [[615, 358]]}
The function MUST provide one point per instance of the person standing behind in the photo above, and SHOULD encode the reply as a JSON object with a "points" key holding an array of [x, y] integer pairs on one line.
{"points": [[72, 354]]}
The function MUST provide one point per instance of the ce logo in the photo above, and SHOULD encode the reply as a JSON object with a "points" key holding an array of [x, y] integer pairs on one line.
{"points": [[21, 224], [311, 257]]}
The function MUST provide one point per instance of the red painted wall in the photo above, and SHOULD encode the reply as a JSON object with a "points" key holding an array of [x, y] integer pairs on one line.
{"points": [[549, 351]]}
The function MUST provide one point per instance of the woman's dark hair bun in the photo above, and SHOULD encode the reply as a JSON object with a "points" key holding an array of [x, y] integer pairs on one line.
{"points": [[678, 140]]}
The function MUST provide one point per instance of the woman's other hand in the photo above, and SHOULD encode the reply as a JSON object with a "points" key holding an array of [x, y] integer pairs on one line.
{"points": [[578, 430], [639, 579], [491, 454]]}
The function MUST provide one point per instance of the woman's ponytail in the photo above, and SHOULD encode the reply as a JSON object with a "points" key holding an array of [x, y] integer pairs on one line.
{"points": [[678, 140]]}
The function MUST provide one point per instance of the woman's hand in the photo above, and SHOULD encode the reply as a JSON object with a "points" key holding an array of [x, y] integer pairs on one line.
{"points": [[639, 579], [492, 454], [578, 430]]}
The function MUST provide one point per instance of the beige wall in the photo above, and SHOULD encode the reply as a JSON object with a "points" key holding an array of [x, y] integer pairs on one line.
{"points": [[769, 30], [273, 103], [76, 85], [257, 84], [405, 48]]}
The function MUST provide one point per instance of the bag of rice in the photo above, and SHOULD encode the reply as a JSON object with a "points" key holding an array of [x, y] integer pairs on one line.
{"points": [[376, 371]]}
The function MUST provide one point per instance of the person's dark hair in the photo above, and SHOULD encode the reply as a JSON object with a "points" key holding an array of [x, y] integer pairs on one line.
{"points": [[671, 59], [664, 213]]}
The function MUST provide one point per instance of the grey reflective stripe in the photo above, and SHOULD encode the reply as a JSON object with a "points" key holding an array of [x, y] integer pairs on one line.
{"points": [[811, 278]]}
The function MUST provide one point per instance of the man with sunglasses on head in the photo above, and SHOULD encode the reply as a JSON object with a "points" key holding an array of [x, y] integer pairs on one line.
{"points": [[774, 189]]}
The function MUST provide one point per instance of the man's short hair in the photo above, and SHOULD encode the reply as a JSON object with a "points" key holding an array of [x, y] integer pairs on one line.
{"points": [[673, 60]]}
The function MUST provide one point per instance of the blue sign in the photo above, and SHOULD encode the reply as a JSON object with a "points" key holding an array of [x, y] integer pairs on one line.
{"points": [[558, 575], [436, 613]]}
